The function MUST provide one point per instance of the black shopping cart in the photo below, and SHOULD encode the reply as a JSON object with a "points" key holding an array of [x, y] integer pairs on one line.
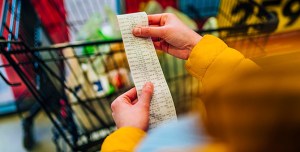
{"points": [[74, 83]]}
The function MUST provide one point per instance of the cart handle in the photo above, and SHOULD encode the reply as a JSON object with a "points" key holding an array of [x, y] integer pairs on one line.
{"points": [[9, 83]]}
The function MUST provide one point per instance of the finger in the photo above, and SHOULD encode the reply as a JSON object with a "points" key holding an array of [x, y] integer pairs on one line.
{"points": [[134, 102], [124, 99], [146, 94], [155, 39], [179, 53], [162, 45], [172, 50], [131, 94], [157, 45], [153, 26], [154, 19], [148, 32]]}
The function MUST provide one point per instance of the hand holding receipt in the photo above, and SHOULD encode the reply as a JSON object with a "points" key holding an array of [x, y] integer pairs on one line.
{"points": [[145, 67]]}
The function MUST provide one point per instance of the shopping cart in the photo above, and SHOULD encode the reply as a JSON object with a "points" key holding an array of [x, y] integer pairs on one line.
{"points": [[76, 86]]}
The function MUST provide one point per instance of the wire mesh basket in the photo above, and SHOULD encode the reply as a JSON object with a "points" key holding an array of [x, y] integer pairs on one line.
{"points": [[75, 82]]}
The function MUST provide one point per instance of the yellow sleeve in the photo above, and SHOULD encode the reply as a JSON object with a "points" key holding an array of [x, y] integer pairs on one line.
{"points": [[124, 139], [212, 62]]}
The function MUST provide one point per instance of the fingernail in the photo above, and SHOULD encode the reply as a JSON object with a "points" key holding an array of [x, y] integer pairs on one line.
{"points": [[149, 85], [137, 31]]}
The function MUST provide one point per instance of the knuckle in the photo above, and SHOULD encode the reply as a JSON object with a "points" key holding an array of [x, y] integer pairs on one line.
{"points": [[148, 90], [146, 31], [167, 14], [146, 106], [163, 32], [114, 105], [171, 15]]}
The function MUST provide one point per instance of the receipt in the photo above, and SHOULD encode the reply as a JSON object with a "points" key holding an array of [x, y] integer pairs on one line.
{"points": [[144, 66]]}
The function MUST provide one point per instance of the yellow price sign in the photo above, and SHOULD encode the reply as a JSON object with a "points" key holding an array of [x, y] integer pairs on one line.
{"points": [[242, 12], [287, 11]]}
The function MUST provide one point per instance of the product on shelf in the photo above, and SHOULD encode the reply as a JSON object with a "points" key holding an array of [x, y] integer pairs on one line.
{"points": [[211, 23]]}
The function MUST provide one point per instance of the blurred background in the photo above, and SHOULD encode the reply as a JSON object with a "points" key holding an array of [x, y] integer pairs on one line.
{"points": [[62, 62]]}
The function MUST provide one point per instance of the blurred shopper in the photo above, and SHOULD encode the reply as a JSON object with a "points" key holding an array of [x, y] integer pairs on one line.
{"points": [[247, 109]]}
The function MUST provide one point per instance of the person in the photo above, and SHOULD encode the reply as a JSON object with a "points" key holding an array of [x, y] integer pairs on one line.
{"points": [[233, 104]]}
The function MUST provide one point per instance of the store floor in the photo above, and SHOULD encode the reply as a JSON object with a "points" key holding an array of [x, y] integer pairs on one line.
{"points": [[11, 134]]}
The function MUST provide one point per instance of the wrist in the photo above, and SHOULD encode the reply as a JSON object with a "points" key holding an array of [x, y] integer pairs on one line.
{"points": [[137, 126], [132, 128], [194, 41]]}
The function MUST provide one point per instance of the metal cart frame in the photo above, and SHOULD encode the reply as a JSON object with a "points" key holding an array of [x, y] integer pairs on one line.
{"points": [[55, 100]]}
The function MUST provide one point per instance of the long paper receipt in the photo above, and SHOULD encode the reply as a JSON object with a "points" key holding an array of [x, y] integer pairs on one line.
{"points": [[144, 66]]}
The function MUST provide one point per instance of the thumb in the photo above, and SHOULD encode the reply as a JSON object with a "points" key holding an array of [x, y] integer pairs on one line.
{"points": [[146, 94], [148, 31]]}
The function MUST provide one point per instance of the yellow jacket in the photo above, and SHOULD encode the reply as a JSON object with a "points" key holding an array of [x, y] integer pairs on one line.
{"points": [[211, 62]]}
